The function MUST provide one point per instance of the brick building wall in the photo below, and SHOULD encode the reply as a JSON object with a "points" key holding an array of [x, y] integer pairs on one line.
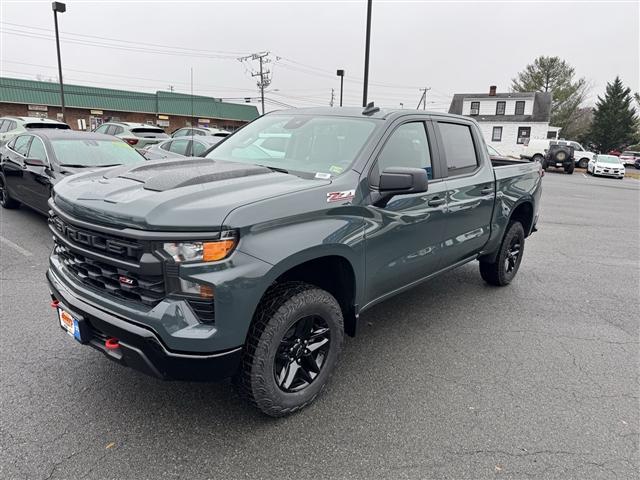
{"points": [[74, 115]]}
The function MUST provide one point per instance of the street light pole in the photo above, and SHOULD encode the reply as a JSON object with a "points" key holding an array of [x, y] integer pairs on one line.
{"points": [[366, 55], [340, 73], [59, 7]]}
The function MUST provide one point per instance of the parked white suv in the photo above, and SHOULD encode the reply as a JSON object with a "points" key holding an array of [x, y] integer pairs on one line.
{"points": [[537, 148], [12, 126]]}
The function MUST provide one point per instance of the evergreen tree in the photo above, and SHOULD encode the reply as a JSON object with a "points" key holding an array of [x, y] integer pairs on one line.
{"points": [[552, 74], [615, 122]]}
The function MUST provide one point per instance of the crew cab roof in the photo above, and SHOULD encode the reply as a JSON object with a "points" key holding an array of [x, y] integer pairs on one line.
{"points": [[357, 112]]}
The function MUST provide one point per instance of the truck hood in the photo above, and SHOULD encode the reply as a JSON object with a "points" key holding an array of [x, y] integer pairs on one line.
{"points": [[187, 194]]}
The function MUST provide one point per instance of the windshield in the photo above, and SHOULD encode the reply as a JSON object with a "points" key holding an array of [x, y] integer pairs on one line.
{"points": [[298, 143], [149, 132], [607, 159], [94, 153], [59, 126]]}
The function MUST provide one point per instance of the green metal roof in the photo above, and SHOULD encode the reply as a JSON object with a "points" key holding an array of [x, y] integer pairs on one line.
{"points": [[16, 90]]}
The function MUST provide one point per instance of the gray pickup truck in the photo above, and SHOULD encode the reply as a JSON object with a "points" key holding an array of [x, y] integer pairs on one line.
{"points": [[255, 261]]}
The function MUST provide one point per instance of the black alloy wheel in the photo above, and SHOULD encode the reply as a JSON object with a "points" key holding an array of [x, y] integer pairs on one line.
{"points": [[513, 254], [302, 354], [5, 199]]}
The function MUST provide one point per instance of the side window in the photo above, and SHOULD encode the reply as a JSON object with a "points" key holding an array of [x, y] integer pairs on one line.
{"points": [[37, 150], [576, 146], [12, 126], [102, 129], [179, 147], [166, 146], [117, 130], [198, 149], [458, 148], [199, 132], [178, 133], [407, 146], [4, 124], [22, 144], [109, 130]]}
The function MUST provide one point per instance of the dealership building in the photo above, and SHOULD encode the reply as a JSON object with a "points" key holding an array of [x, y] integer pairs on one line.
{"points": [[88, 107]]}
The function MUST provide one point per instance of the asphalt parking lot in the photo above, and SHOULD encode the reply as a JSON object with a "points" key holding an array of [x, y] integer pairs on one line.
{"points": [[453, 379]]}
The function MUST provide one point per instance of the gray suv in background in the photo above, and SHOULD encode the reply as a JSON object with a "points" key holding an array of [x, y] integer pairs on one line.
{"points": [[200, 131], [12, 126], [138, 135]]}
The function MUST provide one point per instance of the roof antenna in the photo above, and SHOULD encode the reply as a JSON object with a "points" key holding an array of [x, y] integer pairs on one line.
{"points": [[370, 109]]}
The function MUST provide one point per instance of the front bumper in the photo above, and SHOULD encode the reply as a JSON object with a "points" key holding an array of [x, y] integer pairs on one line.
{"points": [[608, 172], [139, 347]]}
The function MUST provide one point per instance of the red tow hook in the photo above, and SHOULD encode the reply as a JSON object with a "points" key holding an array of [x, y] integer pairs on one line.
{"points": [[112, 343], [54, 303]]}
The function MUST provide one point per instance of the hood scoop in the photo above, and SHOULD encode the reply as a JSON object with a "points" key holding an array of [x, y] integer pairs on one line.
{"points": [[163, 175]]}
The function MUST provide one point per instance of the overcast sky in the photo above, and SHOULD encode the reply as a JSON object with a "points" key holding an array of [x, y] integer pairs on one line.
{"points": [[452, 47]]}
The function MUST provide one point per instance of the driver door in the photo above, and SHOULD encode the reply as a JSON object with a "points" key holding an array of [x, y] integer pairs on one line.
{"points": [[404, 236]]}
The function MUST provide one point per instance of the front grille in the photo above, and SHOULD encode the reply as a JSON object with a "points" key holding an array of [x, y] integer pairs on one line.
{"points": [[97, 242], [119, 282]]}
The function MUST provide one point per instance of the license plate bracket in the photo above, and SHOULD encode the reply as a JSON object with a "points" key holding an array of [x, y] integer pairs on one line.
{"points": [[74, 325]]}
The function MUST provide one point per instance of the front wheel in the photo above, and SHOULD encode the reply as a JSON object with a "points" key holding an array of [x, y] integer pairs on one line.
{"points": [[292, 348], [503, 269], [583, 162], [5, 198]]}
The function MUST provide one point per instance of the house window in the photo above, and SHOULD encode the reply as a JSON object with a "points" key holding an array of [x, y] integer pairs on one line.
{"points": [[475, 108], [524, 134], [500, 107], [520, 107], [496, 136]]}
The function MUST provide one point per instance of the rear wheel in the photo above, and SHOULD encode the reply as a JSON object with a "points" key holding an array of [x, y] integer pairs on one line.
{"points": [[537, 158], [569, 169], [5, 198], [292, 348], [583, 162], [503, 269]]}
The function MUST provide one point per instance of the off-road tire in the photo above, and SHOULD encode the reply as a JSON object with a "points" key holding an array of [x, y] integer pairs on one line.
{"points": [[569, 169], [282, 306], [495, 273], [544, 164], [5, 199]]}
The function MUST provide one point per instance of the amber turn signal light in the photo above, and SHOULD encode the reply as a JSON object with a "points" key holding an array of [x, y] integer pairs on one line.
{"points": [[212, 251]]}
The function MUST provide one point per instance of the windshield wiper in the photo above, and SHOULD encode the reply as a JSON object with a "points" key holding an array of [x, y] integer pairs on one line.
{"points": [[274, 169], [108, 165], [73, 165]]}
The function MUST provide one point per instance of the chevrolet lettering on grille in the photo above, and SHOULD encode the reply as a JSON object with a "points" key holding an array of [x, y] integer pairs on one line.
{"points": [[95, 240]]}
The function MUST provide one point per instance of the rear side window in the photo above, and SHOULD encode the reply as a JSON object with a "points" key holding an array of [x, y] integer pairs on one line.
{"points": [[21, 144], [4, 124], [180, 133], [12, 126], [407, 146], [166, 146], [198, 149], [116, 130], [458, 148], [102, 129], [179, 147], [37, 150]]}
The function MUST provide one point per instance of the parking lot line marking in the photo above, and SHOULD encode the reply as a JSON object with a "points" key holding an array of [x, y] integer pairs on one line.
{"points": [[18, 248], [584, 175]]}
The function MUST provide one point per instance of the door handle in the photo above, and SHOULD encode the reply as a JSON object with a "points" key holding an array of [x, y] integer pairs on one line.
{"points": [[435, 202], [486, 191]]}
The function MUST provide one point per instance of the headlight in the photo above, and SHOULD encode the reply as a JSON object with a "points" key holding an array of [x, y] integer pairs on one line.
{"points": [[201, 251]]}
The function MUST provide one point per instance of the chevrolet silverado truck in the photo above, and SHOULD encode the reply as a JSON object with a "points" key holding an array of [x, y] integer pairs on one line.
{"points": [[256, 261]]}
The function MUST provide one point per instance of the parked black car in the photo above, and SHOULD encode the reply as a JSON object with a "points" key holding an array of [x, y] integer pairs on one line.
{"points": [[32, 163], [559, 156]]}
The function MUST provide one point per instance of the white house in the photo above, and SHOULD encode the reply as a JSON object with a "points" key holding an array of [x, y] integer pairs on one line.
{"points": [[508, 120]]}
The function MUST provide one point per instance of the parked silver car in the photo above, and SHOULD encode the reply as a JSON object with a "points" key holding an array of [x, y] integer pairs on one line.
{"points": [[200, 131], [12, 126], [181, 147], [138, 135]]}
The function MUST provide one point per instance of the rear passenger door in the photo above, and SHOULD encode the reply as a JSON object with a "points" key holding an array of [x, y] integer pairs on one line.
{"points": [[470, 190]]}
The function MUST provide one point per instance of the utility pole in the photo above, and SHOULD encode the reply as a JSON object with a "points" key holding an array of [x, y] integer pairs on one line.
{"points": [[265, 81], [366, 55], [59, 7], [333, 95], [423, 98]]}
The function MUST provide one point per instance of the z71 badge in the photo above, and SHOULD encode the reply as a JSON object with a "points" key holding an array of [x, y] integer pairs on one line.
{"points": [[341, 196]]}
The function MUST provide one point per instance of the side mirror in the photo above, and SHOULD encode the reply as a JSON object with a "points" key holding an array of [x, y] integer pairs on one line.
{"points": [[34, 162], [401, 180]]}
